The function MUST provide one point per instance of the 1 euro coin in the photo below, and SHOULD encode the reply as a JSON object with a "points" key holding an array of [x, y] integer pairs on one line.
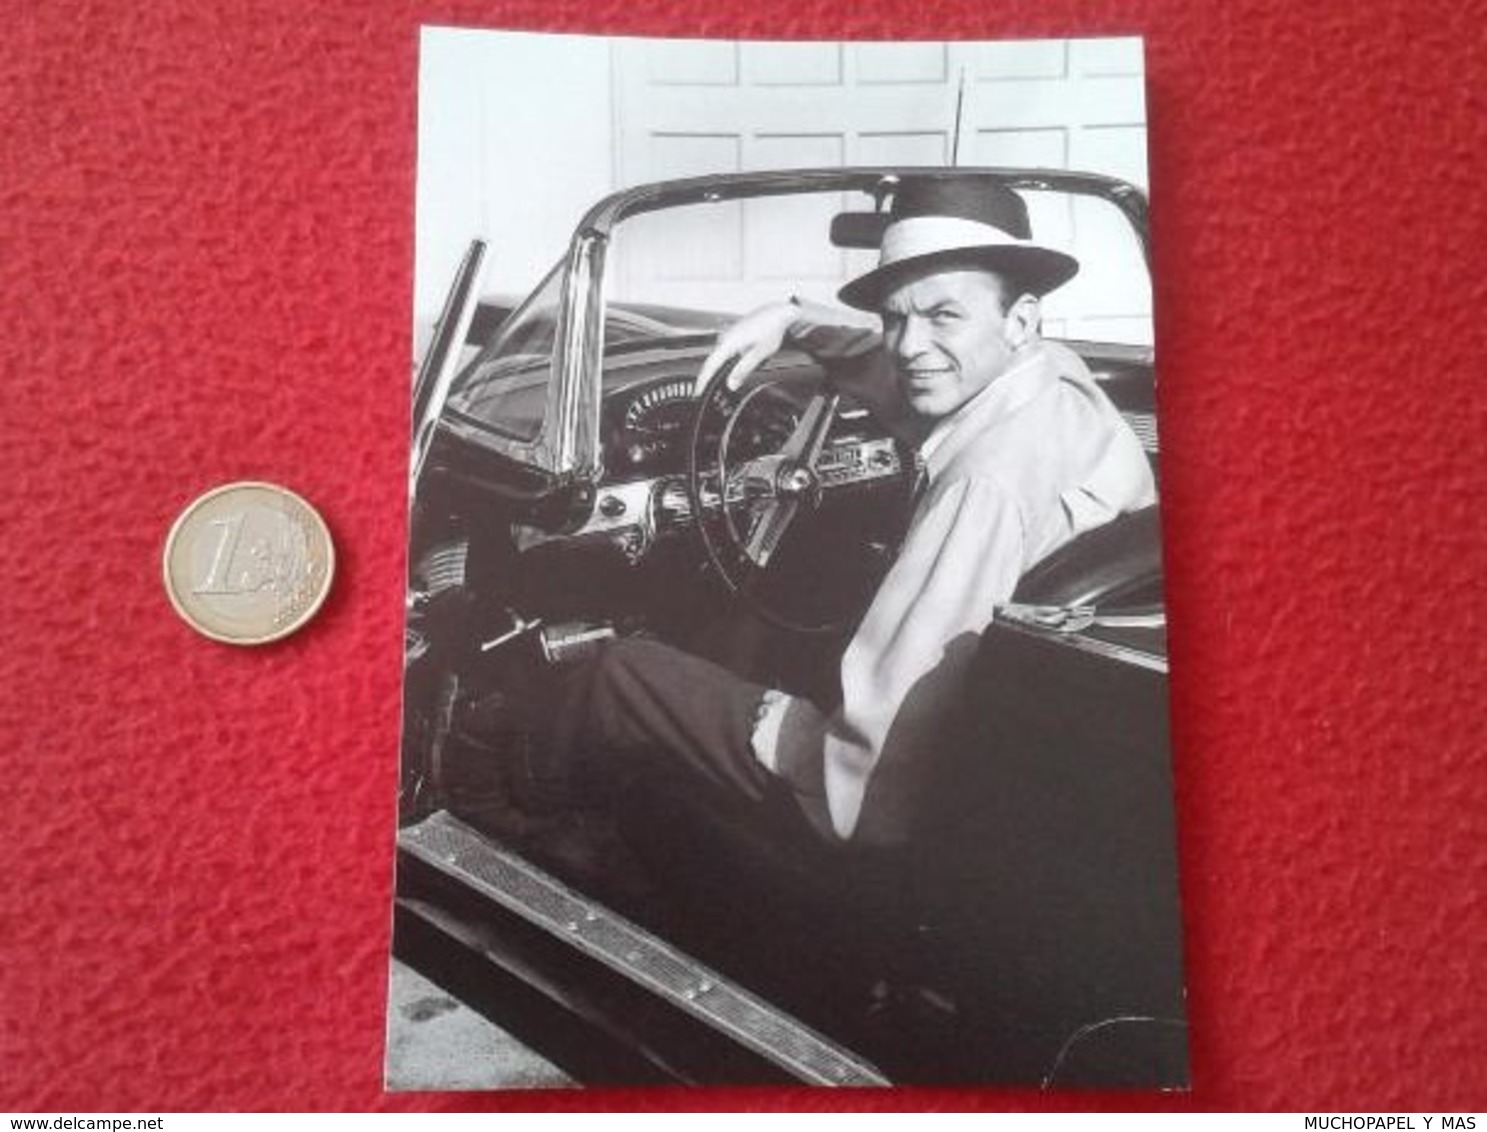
{"points": [[248, 563]]}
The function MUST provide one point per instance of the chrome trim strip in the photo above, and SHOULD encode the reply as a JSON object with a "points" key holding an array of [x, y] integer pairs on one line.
{"points": [[569, 438], [572, 426], [1121, 653], [1066, 626], [447, 844], [1076, 618]]}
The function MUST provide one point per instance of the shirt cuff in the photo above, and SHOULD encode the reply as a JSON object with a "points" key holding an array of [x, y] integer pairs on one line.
{"points": [[789, 738], [769, 717]]}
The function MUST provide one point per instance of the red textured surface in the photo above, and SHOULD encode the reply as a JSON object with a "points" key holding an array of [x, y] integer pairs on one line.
{"points": [[206, 253]]}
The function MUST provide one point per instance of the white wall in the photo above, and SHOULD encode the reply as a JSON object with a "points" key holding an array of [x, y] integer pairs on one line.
{"points": [[515, 142]]}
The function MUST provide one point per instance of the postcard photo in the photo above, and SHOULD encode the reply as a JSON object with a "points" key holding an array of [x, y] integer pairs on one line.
{"points": [[786, 674]]}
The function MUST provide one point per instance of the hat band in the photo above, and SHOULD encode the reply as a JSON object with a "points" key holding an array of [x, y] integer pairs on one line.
{"points": [[926, 235]]}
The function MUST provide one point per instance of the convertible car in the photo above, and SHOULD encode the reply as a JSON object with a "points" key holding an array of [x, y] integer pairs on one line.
{"points": [[571, 485]]}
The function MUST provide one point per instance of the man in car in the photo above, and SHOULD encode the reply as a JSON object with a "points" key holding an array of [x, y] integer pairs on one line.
{"points": [[1019, 452]]}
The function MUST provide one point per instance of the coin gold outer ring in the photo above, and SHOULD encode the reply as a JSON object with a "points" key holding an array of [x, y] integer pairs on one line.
{"points": [[283, 631]]}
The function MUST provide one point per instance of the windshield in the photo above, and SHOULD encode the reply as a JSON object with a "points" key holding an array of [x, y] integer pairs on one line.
{"points": [[730, 256], [684, 272], [505, 386]]}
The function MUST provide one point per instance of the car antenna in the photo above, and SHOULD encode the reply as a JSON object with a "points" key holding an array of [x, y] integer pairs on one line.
{"points": [[960, 99]]}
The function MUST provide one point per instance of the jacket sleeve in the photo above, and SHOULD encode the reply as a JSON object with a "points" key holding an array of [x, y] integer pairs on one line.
{"points": [[852, 355], [830, 334]]}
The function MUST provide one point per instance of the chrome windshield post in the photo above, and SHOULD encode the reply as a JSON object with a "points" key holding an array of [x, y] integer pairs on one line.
{"points": [[573, 410]]}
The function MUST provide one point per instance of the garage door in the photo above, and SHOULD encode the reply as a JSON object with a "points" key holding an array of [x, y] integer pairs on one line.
{"points": [[690, 107]]}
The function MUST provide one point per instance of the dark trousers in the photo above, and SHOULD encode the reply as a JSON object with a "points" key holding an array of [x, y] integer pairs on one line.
{"points": [[642, 710], [641, 705]]}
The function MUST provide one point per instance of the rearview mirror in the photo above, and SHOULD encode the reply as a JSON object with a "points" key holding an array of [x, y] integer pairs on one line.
{"points": [[858, 229]]}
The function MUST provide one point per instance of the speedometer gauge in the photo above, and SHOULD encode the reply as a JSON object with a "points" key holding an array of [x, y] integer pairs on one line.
{"points": [[651, 427], [660, 410]]}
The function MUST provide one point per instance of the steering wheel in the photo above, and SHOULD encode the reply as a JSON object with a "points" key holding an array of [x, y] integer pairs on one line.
{"points": [[749, 486]]}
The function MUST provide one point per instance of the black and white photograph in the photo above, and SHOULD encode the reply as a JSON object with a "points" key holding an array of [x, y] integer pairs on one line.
{"points": [[785, 676]]}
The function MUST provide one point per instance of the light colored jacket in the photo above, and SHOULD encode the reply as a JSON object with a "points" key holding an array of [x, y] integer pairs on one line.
{"points": [[1034, 460]]}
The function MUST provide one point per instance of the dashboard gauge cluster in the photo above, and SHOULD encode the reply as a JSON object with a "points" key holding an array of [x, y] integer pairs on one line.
{"points": [[652, 428], [661, 408], [647, 428]]}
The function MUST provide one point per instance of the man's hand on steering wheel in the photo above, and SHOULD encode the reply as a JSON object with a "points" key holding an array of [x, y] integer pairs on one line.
{"points": [[748, 343]]}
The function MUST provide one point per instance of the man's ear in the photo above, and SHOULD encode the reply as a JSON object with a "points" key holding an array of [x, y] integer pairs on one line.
{"points": [[1024, 319]]}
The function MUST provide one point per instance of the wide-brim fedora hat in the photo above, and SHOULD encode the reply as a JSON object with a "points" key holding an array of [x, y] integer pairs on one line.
{"points": [[949, 224]]}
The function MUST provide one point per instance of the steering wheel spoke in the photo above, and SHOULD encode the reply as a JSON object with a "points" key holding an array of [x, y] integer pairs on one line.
{"points": [[809, 437], [768, 529]]}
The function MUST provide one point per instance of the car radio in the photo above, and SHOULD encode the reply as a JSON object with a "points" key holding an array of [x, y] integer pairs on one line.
{"points": [[857, 462]]}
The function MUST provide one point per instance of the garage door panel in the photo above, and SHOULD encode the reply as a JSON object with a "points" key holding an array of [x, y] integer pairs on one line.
{"points": [[900, 62], [673, 252], [1116, 101], [1111, 293], [774, 250], [794, 151], [1119, 151], [770, 255], [792, 64], [1051, 217], [690, 155], [1106, 57], [1033, 148], [1026, 103], [681, 62], [1046, 59], [929, 147], [679, 257], [778, 109]]}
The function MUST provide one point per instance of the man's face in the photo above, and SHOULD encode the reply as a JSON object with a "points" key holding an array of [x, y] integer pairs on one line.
{"points": [[949, 338]]}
